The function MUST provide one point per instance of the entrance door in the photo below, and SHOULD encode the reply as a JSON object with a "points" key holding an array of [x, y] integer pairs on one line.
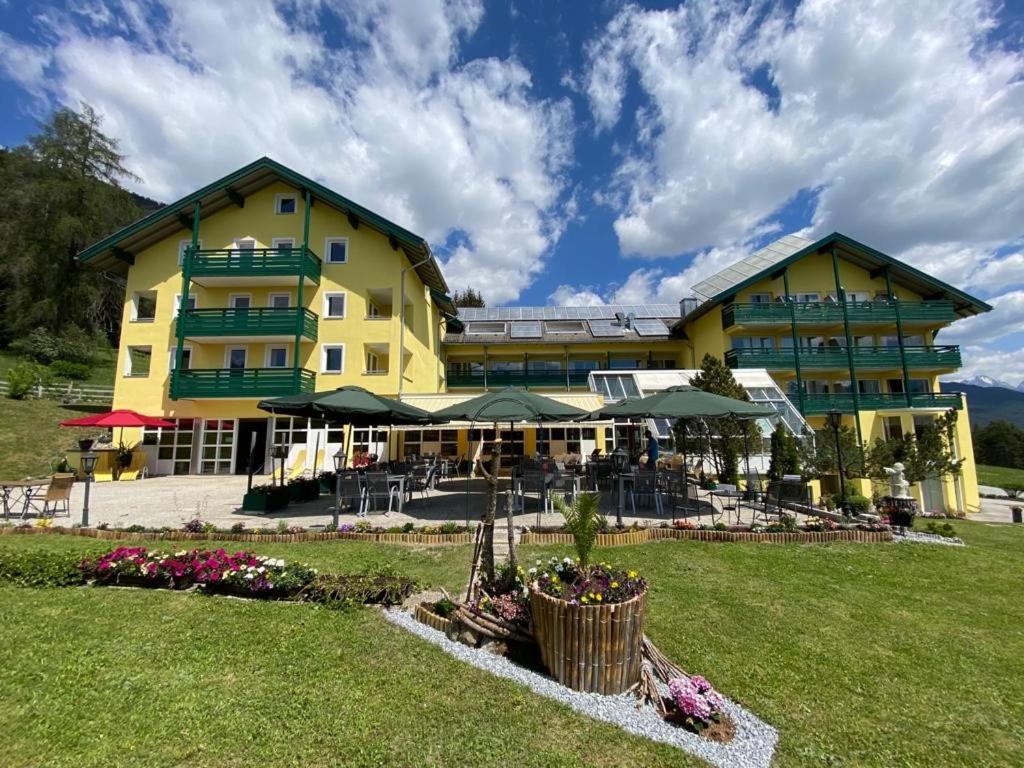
{"points": [[931, 495], [252, 446]]}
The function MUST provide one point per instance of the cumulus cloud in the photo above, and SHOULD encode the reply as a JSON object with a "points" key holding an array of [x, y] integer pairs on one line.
{"points": [[463, 153], [904, 115]]}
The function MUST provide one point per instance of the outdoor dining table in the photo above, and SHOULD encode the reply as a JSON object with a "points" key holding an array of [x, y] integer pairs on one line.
{"points": [[723, 495], [399, 480], [25, 487]]}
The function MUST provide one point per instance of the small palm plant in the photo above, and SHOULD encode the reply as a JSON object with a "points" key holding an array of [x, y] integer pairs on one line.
{"points": [[582, 521]]}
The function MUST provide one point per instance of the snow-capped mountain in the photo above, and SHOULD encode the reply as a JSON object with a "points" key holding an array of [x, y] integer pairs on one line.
{"points": [[988, 381]]}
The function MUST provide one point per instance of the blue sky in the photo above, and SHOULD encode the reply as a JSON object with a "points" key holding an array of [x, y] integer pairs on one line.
{"points": [[579, 152]]}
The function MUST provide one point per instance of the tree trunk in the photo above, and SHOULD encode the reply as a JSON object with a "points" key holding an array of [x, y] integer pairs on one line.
{"points": [[513, 561], [490, 511]]}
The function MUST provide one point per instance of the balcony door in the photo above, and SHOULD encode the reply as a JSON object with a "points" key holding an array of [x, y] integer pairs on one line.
{"points": [[235, 358]]}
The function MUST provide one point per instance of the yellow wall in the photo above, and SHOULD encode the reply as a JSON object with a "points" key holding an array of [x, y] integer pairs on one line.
{"points": [[372, 265]]}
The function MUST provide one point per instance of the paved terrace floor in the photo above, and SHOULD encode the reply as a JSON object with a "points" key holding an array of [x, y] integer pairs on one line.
{"points": [[170, 501]]}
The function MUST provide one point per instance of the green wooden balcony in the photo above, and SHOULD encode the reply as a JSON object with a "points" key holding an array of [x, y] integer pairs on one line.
{"points": [[835, 358], [254, 266], [548, 379], [819, 404], [200, 383], [778, 313], [263, 323]]}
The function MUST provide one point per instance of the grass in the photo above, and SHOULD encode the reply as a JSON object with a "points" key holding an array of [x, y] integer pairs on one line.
{"points": [[1000, 476], [31, 435], [860, 654], [102, 368]]}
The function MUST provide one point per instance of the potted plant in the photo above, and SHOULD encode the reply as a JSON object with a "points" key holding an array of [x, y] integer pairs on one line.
{"points": [[588, 620], [86, 444], [265, 498], [302, 489]]}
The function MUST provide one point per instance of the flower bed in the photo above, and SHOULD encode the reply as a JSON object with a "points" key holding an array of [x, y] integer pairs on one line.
{"points": [[241, 573], [435, 615]]}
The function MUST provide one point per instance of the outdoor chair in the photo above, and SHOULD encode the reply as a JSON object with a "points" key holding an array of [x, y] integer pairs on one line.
{"points": [[423, 481], [535, 481], [729, 503], [55, 497], [783, 495], [644, 486], [353, 492], [682, 498], [136, 469], [377, 490]]}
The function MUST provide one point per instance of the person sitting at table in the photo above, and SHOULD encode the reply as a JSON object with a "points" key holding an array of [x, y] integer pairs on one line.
{"points": [[652, 450]]}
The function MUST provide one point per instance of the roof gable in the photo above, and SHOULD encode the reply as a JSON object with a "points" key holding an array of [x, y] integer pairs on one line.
{"points": [[116, 252], [775, 257]]}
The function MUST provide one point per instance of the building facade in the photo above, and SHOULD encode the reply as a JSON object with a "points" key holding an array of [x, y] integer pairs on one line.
{"points": [[265, 283]]}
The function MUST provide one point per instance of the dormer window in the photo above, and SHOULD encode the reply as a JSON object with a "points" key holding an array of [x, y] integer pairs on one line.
{"points": [[285, 204]]}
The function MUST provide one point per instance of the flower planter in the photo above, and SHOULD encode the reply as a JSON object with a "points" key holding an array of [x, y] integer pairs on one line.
{"points": [[424, 615], [590, 648], [266, 501]]}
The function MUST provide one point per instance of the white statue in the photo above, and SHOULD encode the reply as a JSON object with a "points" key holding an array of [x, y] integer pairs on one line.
{"points": [[899, 488]]}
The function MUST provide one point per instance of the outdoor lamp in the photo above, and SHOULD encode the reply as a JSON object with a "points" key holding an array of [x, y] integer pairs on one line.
{"points": [[339, 461], [835, 419], [88, 465]]}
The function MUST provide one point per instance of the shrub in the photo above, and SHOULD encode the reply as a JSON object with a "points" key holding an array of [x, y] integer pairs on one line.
{"points": [[945, 530], [24, 377], [65, 369], [195, 525], [859, 505], [40, 568], [340, 591], [697, 703], [408, 528], [443, 608], [238, 527], [450, 527], [72, 344]]}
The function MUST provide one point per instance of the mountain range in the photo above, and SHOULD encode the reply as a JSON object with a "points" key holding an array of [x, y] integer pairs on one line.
{"points": [[989, 402], [988, 381]]}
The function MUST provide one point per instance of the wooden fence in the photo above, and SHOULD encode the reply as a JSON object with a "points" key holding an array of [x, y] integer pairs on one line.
{"points": [[68, 393]]}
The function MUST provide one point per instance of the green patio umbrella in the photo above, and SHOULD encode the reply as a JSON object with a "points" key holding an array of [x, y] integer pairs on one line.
{"points": [[512, 405]]}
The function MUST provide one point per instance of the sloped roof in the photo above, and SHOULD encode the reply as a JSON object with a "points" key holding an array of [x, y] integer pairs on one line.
{"points": [[116, 252], [789, 249]]}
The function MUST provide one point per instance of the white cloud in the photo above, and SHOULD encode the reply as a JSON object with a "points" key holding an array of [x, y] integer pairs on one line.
{"points": [[568, 296], [391, 118], [24, 64], [905, 115]]}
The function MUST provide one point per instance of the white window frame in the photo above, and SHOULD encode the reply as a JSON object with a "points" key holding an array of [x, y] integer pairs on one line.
{"points": [[323, 358], [234, 348], [237, 244], [177, 303], [804, 297], [375, 368], [173, 357], [327, 303], [127, 372], [277, 242], [285, 196], [327, 249], [135, 307], [275, 295], [182, 245], [271, 348], [233, 296]]}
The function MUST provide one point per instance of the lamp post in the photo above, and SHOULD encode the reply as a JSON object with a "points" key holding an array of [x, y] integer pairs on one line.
{"points": [[339, 464], [88, 465], [835, 420]]}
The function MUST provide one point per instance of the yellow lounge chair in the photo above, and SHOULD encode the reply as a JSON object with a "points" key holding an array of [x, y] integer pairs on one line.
{"points": [[136, 469], [299, 466]]}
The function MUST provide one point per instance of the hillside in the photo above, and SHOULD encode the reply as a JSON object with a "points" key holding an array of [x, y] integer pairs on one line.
{"points": [[990, 403]]}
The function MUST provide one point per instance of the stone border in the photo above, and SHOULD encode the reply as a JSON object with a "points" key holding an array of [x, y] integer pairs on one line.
{"points": [[753, 745], [264, 538], [656, 534], [431, 619]]}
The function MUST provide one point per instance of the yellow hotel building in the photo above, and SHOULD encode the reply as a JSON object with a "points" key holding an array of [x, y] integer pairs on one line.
{"points": [[266, 283]]}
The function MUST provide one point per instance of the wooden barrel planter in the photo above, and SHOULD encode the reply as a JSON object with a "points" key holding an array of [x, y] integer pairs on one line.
{"points": [[590, 648]]}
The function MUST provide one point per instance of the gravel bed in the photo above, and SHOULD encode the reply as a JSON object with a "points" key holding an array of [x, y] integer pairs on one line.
{"points": [[917, 537], [752, 747]]}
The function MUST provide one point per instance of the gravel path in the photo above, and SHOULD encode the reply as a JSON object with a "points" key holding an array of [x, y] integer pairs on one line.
{"points": [[917, 537], [752, 747]]}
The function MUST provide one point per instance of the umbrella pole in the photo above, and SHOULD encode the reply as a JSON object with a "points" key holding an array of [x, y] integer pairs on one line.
{"points": [[681, 431], [316, 452]]}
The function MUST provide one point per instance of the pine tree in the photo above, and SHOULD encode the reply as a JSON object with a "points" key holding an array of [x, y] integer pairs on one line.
{"points": [[785, 456], [61, 193], [468, 298]]}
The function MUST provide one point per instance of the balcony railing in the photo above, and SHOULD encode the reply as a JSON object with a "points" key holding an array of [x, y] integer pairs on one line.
{"points": [[935, 312], [200, 383], [818, 404], [255, 263], [254, 321], [536, 378], [940, 357]]}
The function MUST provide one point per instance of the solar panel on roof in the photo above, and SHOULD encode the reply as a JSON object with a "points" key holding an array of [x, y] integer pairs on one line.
{"points": [[650, 327], [605, 328], [736, 273], [525, 329]]}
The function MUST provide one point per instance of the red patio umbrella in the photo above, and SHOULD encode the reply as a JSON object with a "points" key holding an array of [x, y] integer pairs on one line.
{"points": [[119, 418]]}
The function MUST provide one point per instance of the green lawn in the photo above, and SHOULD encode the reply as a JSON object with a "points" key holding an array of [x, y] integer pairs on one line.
{"points": [[999, 476], [102, 369], [895, 655], [31, 435]]}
